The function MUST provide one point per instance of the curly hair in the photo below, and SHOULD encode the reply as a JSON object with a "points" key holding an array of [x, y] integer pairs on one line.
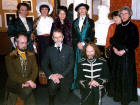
{"points": [[97, 51]]}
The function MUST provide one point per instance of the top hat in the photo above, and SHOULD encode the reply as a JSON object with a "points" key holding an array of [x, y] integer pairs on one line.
{"points": [[82, 4]]}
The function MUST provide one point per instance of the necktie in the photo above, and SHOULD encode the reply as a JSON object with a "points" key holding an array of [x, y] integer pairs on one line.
{"points": [[58, 48], [22, 54]]}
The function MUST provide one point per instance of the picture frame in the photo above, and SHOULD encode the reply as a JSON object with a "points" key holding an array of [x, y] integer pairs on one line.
{"points": [[9, 4], [0, 21], [9, 17], [30, 4]]}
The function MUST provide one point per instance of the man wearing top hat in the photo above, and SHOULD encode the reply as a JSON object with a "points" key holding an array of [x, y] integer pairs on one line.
{"points": [[83, 32], [42, 27]]}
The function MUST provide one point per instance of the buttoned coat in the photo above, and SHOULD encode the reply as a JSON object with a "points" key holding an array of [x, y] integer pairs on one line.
{"points": [[61, 63]]}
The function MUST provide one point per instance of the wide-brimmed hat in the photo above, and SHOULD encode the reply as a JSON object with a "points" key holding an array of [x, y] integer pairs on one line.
{"points": [[82, 4], [43, 3]]}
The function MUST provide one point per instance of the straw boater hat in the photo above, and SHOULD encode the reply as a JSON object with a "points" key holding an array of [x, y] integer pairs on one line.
{"points": [[43, 3], [81, 4]]}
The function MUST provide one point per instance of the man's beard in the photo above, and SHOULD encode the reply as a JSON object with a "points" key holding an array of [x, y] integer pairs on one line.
{"points": [[58, 43], [23, 50], [90, 57]]}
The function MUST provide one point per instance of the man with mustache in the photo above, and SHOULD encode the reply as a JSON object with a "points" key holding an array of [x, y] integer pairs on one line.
{"points": [[22, 71]]}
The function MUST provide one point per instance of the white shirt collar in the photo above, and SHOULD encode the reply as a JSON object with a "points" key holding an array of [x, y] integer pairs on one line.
{"points": [[21, 17], [82, 18], [44, 17], [55, 45], [24, 21]]}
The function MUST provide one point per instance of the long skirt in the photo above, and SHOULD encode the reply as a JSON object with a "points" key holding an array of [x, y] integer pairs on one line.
{"points": [[123, 83]]}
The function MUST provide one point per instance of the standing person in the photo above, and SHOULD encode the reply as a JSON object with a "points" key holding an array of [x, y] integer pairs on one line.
{"points": [[70, 12], [22, 71], [57, 64], [64, 24], [21, 25], [42, 28], [124, 42], [83, 32], [92, 75], [115, 15]]}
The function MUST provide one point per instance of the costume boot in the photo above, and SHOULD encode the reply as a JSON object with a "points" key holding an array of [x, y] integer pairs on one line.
{"points": [[51, 99]]}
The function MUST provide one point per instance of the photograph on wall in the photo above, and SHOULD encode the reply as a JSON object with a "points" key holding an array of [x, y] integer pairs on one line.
{"points": [[135, 9], [9, 17], [30, 18], [0, 21], [29, 2], [9, 4]]}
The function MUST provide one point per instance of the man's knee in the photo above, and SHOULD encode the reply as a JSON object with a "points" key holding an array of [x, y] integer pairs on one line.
{"points": [[25, 93]]}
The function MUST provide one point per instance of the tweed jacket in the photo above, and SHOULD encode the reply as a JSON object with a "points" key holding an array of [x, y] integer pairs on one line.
{"points": [[13, 66]]}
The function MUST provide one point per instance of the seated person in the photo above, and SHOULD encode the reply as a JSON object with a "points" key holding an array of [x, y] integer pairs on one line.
{"points": [[92, 75], [22, 71], [57, 64]]}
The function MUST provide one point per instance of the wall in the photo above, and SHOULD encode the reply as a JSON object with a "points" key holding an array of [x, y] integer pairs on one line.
{"points": [[63, 2], [117, 4], [38, 1]]}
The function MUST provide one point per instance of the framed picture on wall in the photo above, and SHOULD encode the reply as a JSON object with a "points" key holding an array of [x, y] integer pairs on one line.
{"points": [[9, 17], [9, 4], [30, 18], [30, 4], [0, 21]]}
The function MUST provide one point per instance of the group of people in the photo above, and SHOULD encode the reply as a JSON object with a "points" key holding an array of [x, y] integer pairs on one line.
{"points": [[69, 56], [123, 39]]}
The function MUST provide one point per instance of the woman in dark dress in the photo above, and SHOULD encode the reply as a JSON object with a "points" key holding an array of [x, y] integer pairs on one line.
{"points": [[124, 42], [64, 24]]}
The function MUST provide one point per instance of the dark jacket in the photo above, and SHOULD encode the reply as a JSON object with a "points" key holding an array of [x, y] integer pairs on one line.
{"points": [[13, 67], [96, 69], [66, 29], [62, 63], [16, 26], [90, 33]]}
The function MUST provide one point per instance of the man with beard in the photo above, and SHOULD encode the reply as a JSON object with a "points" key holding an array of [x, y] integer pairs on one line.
{"points": [[57, 64], [22, 71], [82, 32], [92, 75]]}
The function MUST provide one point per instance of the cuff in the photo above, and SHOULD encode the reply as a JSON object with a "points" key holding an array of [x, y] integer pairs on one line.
{"points": [[50, 76], [13, 41], [83, 43], [34, 46], [126, 50]]}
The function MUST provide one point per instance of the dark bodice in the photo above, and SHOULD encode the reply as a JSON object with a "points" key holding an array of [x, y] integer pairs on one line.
{"points": [[126, 36]]}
